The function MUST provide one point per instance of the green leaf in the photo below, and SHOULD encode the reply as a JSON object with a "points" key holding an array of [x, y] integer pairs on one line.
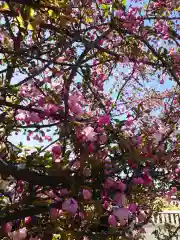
{"points": [[50, 12], [89, 20], [138, 108], [177, 9], [5, 6], [117, 121], [124, 2], [47, 155], [30, 27], [38, 148], [105, 6], [31, 12], [56, 237], [20, 21], [6, 41]]}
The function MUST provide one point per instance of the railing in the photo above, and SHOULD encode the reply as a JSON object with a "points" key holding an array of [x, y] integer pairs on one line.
{"points": [[171, 217]]}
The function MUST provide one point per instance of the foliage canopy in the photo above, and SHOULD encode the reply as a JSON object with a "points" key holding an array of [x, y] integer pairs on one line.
{"points": [[96, 84]]}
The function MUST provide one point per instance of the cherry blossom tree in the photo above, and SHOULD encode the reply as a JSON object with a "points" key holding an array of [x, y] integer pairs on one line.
{"points": [[96, 84]]}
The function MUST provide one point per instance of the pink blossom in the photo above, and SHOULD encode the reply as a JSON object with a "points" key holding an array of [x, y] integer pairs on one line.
{"points": [[175, 102], [147, 179], [109, 183], [76, 109], [60, 59], [56, 149], [132, 207], [91, 148], [75, 104], [50, 194], [129, 121], [54, 213], [104, 120], [112, 220], [134, 166], [101, 41], [142, 230], [89, 133], [162, 81], [141, 216], [106, 205], [47, 80], [34, 117], [56, 159], [51, 109], [166, 36], [74, 98], [87, 194], [122, 214], [125, 59], [99, 129], [119, 199], [7, 227], [138, 180], [82, 215], [21, 116], [139, 140], [76, 165], [20, 234], [119, 13], [169, 194], [103, 138], [158, 136], [85, 238], [70, 205], [48, 138], [64, 192], [121, 186], [172, 51], [27, 220], [174, 189]]}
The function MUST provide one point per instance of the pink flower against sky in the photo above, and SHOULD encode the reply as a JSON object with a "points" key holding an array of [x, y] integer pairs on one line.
{"points": [[51, 109], [34, 117], [21, 116], [75, 104], [89, 133], [56, 149], [104, 120]]}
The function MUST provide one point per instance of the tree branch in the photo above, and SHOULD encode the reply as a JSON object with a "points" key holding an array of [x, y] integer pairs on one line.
{"points": [[37, 126], [33, 210], [35, 178]]}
